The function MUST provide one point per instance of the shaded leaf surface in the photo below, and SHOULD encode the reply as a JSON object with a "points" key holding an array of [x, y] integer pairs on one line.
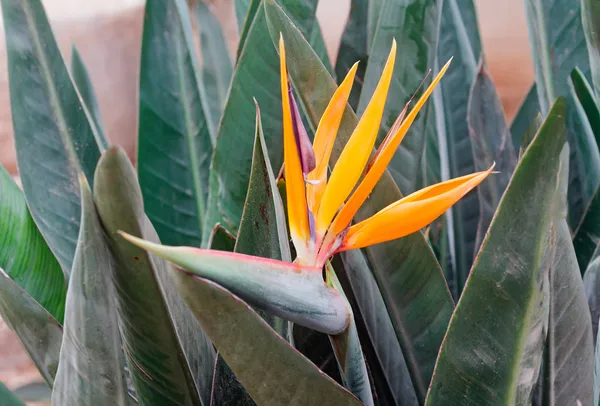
{"points": [[527, 112], [7, 398], [53, 137]]}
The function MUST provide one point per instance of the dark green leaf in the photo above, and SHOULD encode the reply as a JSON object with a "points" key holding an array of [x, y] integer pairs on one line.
{"points": [[221, 239], [53, 137], [590, 14], [586, 237], [414, 26], [558, 45], [39, 332], [409, 277], [526, 114], [245, 11], [34, 392], [175, 138], [348, 352], [491, 144], [24, 255], [591, 282], [506, 281], [227, 389], [387, 364], [530, 133], [269, 368], [216, 62], [91, 367], [458, 39], [7, 398], [169, 356], [587, 99], [82, 81], [354, 47]]}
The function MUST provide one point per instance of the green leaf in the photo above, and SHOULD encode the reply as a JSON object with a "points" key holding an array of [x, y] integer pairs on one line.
{"points": [[269, 368], [53, 137], [354, 47], [491, 144], [587, 99], [7, 398], [216, 62], [348, 352], [91, 367], [409, 277], [175, 137], [24, 255], [506, 281], [526, 114], [34, 392], [82, 81], [586, 237], [414, 26], [374, 13], [569, 364], [387, 364], [287, 290], [530, 133], [458, 39], [590, 15], [591, 282], [221, 239], [39, 332], [227, 389], [245, 11], [556, 52], [168, 354]]}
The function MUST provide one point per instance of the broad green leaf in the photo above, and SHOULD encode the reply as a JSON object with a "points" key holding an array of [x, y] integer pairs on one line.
{"points": [[556, 52], [227, 389], [569, 364], [91, 366], [169, 356], [354, 47], [374, 12], [216, 61], [459, 40], [591, 282], [245, 11], [284, 289], [84, 86], [587, 99], [175, 136], [506, 281], [407, 273], [269, 368], [348, 352], [39, 332], [590, 15], [53, 137], [586, 237], [241, 8], [387, 364], [221, 239], [7, 398], [24, 255], [526, 114], [414, 26], [491, 144]]}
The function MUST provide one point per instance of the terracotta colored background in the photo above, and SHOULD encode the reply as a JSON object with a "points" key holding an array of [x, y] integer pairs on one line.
{"points": [[108, 35]]}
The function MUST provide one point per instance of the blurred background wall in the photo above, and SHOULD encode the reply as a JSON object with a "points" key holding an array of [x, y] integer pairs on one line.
{"points": [[108, 35]]}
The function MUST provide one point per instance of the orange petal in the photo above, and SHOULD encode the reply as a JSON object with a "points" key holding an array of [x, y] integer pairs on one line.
{"points": [[296, 198], [325, 138], [355, 155], [411, 213], [382, 159]]}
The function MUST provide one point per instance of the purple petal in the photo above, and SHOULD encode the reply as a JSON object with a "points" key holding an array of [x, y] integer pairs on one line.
{"points": [[305, 149]]}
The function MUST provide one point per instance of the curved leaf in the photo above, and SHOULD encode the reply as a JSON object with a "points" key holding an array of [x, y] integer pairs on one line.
{"points": [[587, 99], [414, 25], [526, 114], [370, 307], [269, 368], [506, 281], [39, 332], [591, 282], [84, 86], [24, 255], [220, 239], [53, 137], [216, 62], [91, 367], [407, 273], [175, 138], [491, 144], [586, 237], [168, 354]]}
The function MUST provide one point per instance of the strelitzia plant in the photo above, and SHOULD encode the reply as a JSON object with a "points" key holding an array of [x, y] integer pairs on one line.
{"points": [[320, 207]]}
